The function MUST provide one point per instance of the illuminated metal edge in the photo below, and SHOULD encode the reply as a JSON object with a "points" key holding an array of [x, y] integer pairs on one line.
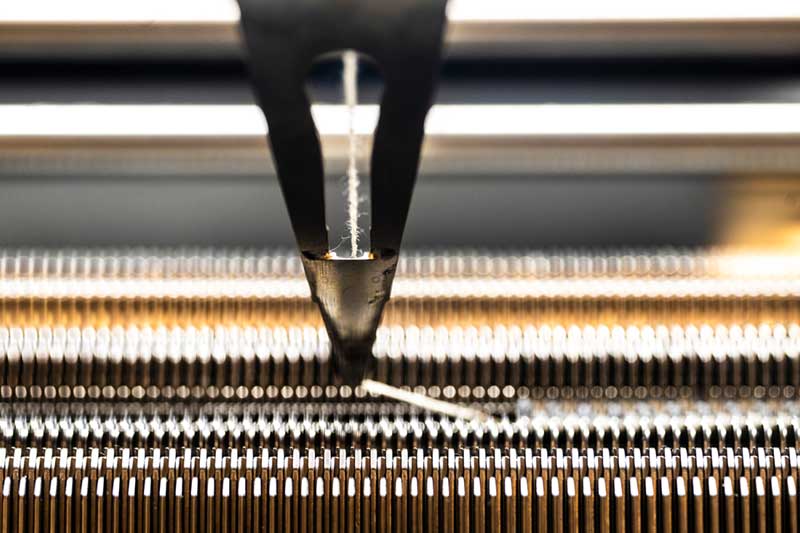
{"points": [[162, 30], [461, 140]]}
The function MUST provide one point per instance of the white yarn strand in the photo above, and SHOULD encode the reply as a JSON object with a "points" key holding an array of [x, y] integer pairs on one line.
{"points": [[350, 80]]}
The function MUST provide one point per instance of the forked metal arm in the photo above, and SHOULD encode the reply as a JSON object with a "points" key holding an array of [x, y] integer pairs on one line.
{"points": [[404, 37], [284, 38]]}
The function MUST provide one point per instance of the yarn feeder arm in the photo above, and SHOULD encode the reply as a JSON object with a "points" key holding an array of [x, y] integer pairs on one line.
{"points": [[404, 37]]}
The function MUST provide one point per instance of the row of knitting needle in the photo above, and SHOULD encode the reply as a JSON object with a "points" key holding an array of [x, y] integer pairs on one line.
{"points": [[441, 463], [154, 263], [174, 288], [452, 307], [451, 362], [535, 424], [681, 491]]}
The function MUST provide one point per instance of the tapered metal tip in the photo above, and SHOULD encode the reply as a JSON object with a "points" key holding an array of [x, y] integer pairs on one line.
{"points": [[351, 294]]}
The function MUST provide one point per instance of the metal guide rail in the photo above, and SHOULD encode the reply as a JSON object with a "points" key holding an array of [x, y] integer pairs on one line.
{"points": [[137, 141], [189, 31]]}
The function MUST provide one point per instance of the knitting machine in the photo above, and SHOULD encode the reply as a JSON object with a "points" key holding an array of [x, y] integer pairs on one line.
{"points": [[592, 324]]}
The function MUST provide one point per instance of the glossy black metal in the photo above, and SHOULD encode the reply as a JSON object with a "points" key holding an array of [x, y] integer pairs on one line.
{"points": [[404, 38]]}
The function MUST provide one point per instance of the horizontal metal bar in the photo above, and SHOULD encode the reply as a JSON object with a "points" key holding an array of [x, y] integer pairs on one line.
{"points": [[461, 140], [152, 29]]}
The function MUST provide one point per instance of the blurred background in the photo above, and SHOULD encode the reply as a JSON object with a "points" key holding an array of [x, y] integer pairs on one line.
{"points": [[631, 125]]}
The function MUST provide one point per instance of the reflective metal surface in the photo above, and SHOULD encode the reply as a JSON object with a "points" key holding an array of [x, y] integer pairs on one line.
{"points": [[117, 141], [208, 30], [351, 295]]}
